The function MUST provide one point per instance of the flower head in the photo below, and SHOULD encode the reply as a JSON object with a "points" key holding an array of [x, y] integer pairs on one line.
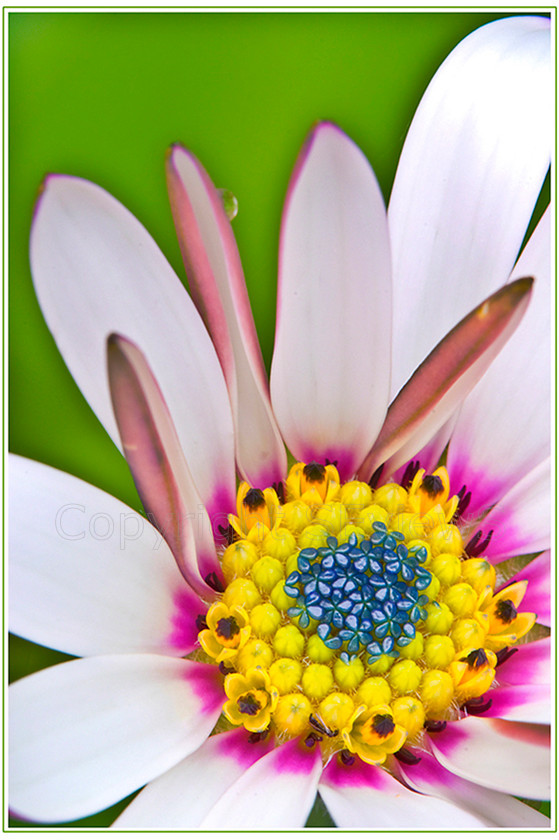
{"points": [[344, 625]]}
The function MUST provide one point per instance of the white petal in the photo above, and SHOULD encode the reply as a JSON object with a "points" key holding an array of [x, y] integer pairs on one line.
{"points": [[276, 792], [470, 172], [216, 279], [182, 796], [497, 809], [97, 271], [503, 429], [87, 574], [330, 371], [363, 796], [521, 521], [87, 733], [499, 754]]}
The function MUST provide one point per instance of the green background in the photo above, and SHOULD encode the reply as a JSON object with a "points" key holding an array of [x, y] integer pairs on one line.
{"points": [[102, 95]]}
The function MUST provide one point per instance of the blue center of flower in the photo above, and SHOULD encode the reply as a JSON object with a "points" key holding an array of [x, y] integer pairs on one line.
{"points": [[363, 596]]}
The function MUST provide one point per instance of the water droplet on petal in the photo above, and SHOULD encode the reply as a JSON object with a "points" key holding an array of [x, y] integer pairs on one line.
{"points": [[230, 203]]}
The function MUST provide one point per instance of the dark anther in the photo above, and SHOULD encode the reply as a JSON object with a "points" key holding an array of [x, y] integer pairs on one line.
{"points": [[477, 706], [329, 463], [227, 627], [201, 622], [409, 474], [375, 478], [432, 485], [279, 487], [255, 737], [506, 611], [407, 757], [228, 532], [505, 654], [435, 725], [311, 739], [318, 724], [215, 583], [347, 758], [471, 547], [314, 472], [383, 725], [225, 669], [476, 658], [254, 499], [248, 704], [464, 499], [475, 547]]}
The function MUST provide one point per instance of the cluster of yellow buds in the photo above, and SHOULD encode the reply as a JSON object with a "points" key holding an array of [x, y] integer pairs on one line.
{"points": [[287, 671]]}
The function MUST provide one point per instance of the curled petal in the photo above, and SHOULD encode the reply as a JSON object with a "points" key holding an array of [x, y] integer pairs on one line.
{"points": [[160, 471], [216, 278], [447, 375]]}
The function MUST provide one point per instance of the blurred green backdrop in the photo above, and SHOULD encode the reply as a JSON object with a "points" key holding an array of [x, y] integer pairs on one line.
{"points": [[102, 95]]}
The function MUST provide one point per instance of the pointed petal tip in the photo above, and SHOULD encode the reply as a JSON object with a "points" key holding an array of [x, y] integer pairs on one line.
{"points": [[177, 148]]}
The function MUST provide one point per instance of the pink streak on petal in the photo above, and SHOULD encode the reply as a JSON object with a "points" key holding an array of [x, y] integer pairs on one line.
{"points": [[236, 745], [294, 757], [207, 683], [529, 733], [187, 606], [342, 458], [509, 698], [430, 772], [530, 664], [484, 488], [219, 507], [340, 775]]}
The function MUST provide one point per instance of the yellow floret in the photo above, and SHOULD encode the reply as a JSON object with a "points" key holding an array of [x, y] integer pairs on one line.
{"points": [[238, 559], [291, 716], [255, 653], [446, 539], [289, 641], [370, 515], [392, 498], [264, 620], [336, 710], [317, 681], [285, 674], [409, 713], [279, 543], [356, 495], [439, 652], [447, 568], [404, 676], [374, 691], [349, 675], [266, 572], [242, 593], [461, 599], [333, 516], [314, 536], [318, 651], [436, 692]]}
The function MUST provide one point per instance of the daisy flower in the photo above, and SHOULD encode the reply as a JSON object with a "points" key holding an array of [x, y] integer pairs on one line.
{"points": [[367, 620]]}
